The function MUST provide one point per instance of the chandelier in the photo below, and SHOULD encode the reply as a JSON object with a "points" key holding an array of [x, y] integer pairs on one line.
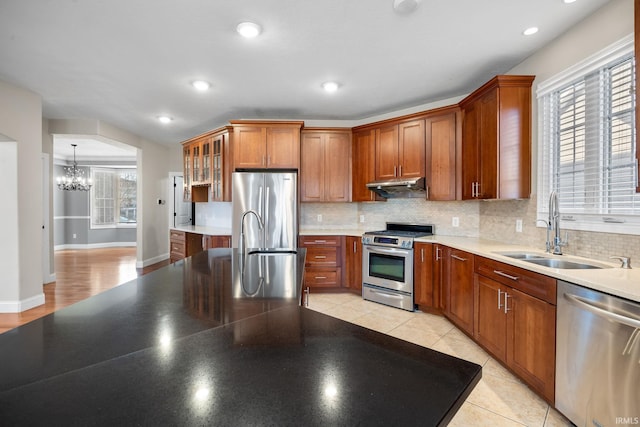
{"points": [[74, 178]]}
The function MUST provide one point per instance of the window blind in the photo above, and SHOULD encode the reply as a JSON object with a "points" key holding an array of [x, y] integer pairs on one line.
{"points": [[587, 144], [103, 197]]}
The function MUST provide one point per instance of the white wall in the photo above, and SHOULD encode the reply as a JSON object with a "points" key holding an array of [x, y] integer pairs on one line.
{"points": [[606, 26], [21, 121], [153, 172]]}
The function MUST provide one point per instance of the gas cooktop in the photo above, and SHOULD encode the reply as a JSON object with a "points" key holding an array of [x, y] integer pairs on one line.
{"points": [[398, 235]]}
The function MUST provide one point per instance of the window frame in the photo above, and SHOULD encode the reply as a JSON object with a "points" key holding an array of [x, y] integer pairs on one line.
{"points": [[115, 170], [580, 221]]}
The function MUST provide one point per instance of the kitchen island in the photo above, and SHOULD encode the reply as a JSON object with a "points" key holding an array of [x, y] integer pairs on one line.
{"points": [[218, 339]]}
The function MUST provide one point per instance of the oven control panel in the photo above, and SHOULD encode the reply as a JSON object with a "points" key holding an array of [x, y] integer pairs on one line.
{"points": [[396, 242]]}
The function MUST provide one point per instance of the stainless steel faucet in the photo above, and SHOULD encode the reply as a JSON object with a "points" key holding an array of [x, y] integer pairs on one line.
{"points": [[554, 224], [241, 243]]}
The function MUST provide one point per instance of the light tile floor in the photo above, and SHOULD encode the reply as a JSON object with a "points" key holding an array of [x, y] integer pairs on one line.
{"points": [[499, 399]]}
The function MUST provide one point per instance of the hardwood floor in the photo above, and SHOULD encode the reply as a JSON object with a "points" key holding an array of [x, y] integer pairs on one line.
{"points": [[79, 275]]}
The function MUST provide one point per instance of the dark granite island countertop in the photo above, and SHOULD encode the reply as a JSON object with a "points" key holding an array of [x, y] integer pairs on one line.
{"points": [[192, 344]]}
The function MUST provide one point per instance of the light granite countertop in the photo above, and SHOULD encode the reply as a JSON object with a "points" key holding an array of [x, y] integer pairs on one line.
{"points": [[616, 281]]}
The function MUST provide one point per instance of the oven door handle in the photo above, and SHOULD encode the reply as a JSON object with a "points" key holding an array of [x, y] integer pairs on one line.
{"points": [[390, 251]]}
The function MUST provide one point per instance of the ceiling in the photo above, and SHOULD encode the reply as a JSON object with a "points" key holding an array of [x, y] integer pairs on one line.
{"points": [[127, 62], [92, 149]]}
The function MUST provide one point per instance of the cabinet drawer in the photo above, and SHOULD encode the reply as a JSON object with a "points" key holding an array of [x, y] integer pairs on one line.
{"points": [[175, 235], [309, 241], [178, 248], [321, 256], [322, 277], [529, 282]]}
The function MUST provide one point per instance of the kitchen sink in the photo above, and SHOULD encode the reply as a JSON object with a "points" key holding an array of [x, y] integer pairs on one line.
{"points": [[552, 262]]}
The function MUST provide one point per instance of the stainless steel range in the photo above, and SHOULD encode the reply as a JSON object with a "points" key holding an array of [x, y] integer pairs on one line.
{"points": [[387, 263]]}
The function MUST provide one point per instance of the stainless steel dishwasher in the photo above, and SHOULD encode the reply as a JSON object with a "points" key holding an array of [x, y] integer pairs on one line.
{"points": [[597, 357]]}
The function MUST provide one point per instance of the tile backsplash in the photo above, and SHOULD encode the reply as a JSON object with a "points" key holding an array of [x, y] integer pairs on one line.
{"points": [[492, 220]]}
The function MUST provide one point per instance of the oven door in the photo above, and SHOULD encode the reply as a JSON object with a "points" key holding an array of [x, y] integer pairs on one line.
{"points": [[390, 268]]}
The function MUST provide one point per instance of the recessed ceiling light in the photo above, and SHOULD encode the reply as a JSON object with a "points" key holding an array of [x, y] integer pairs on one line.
{"points": [[165, 119], [330, 86], [201, 85], [248, 29], [529, 31], [568, 1], [405, 6]]}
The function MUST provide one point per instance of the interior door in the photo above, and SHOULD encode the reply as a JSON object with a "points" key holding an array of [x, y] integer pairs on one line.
{"points": [[181, 209]]}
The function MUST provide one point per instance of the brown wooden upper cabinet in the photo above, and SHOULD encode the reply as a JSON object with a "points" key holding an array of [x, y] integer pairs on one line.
{"points": [[186, 165], [221, 165], [259, 144], [400, 150], [496, 139], [325, 165], [441, 146], [363, 149]]}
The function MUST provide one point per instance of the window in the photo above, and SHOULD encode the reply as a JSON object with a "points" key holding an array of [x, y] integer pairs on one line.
{"points": [[113, 197], [587, 143]]}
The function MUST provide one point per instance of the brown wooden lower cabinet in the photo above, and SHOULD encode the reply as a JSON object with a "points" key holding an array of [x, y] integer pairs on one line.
{"points": [[323, 264], [515, 327], [211, 242], [458, 285], [183, 244], [423, 284], [353, 263]]}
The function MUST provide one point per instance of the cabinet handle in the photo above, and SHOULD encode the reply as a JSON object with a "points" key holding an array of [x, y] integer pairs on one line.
{"points": [[458, 258], [355, 249], [320, 257], [503, 274], [320, 277], [500, 299], [263, 164], [422, 254], [506, 308], [437, 254]]}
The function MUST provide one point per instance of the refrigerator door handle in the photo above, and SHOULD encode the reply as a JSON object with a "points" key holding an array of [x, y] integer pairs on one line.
{"points": [[260, 202], [266, 207]]}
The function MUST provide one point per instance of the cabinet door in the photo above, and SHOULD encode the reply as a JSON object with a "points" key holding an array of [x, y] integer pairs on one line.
{"points": [[283, 147], [205, 154], [531, 338], [312, 168], [470, 150], [488, 140], [490, 328], [387, 152], [423, 275], [460, 298], [250, 147], [364, 165], [186, 158], [440, 145], [411, 149], [196, 158], [354, 263], [337, 177]]}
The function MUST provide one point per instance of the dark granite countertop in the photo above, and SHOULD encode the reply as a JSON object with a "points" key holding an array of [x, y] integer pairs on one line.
{"points": [[192, 344]]}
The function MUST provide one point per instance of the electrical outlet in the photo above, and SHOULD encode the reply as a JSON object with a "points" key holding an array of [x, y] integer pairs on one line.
{"points": [[319, 218], [455, 221], [362, 218], [518, 226], [75, 235]]}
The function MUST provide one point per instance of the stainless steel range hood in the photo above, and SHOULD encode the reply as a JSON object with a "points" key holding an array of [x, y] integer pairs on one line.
{"points": [[398, 188]]}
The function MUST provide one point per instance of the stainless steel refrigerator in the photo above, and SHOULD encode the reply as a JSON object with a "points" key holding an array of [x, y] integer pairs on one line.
{"points": [[274, 197]]}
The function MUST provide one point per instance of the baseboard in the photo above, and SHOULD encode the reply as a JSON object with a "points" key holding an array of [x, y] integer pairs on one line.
{"points": [[151, 261], [95, 245], [20, 306]]}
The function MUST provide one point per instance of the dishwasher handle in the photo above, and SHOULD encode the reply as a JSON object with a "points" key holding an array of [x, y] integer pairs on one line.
{"points": [[584, 303]]}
